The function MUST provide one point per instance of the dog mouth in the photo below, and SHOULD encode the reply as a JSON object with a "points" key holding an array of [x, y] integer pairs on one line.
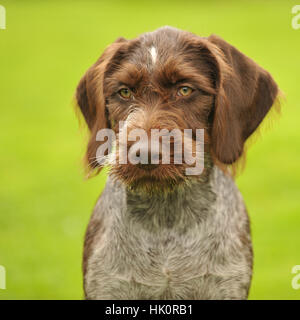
{"points": [[148, 167], [150, 178]]}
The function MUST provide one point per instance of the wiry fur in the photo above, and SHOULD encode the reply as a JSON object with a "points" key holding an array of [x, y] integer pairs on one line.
{"points": [[193, 243], [160, 234]]}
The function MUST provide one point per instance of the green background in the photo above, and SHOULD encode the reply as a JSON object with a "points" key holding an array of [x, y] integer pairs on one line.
{"points": [[45, 203]]}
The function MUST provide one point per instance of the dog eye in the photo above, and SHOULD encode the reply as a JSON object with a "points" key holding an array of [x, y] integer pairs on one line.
{"points": [[125, 93], [184, 91]]}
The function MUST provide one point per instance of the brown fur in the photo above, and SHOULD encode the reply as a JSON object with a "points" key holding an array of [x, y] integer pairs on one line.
{"points": [[232, 96], [243, 92]]}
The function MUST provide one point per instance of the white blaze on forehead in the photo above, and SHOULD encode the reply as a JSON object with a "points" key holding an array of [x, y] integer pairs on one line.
{"points": [[153, 53]]}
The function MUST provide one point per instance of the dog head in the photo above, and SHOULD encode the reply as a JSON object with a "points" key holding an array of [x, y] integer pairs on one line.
{"points": [[172, 79]]}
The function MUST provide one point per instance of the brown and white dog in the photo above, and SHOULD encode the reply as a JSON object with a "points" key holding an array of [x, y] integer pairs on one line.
{"points": [[157, 233]]}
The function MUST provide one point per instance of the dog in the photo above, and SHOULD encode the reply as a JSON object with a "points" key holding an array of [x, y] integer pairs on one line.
{"points": [[156, 232]]}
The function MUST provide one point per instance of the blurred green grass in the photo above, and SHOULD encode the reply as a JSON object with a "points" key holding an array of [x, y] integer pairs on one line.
{"points": [[45, 203]]}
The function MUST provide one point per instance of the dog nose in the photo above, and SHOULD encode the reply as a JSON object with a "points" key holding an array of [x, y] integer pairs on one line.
{"points": [[146, 156]]}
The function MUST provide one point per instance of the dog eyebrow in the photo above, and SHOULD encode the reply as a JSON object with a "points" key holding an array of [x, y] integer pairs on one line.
{"points": [[129, 75], [172, 74]]}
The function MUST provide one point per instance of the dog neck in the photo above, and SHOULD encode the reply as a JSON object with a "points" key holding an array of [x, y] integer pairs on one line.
{"points": [[187, 203]]}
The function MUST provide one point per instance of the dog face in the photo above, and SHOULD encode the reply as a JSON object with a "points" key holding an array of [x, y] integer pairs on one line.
{"points": [[172, 79]]}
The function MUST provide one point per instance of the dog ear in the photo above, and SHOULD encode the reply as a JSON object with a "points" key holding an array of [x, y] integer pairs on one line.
{"points": [[245, 93], [91, 102]]}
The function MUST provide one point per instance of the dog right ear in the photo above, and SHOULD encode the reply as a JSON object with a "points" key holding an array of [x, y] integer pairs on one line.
{"points": [[91, 102], [245, 95]]}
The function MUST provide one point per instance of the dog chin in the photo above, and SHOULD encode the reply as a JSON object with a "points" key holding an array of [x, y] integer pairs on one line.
{"points": [[164, 178]]}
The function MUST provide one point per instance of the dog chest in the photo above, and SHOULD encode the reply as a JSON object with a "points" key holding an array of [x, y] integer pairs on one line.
{"points": [[187, 246]]}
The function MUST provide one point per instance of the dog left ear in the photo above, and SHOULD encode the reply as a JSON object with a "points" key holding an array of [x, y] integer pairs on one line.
{"points": [[91, 101], [245, 94]]}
